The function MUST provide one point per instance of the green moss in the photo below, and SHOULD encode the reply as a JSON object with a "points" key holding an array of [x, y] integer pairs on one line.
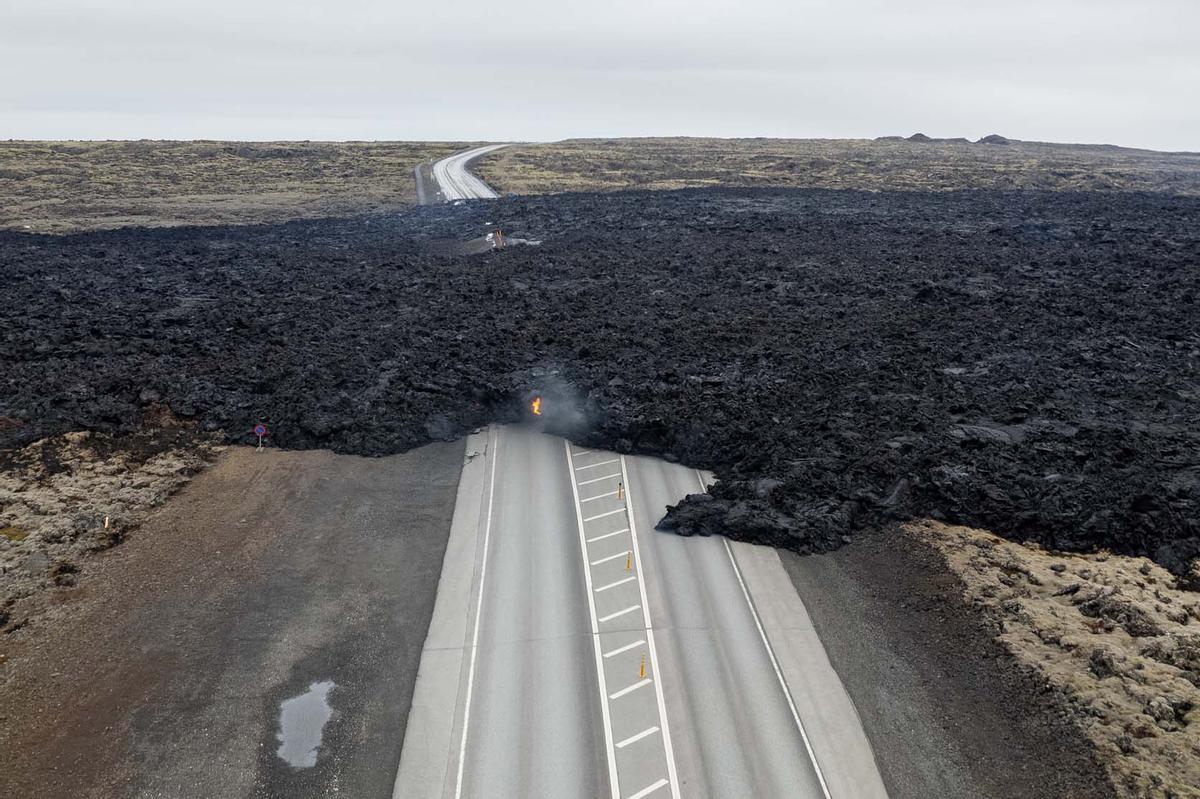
{"points": [[14, 533]]}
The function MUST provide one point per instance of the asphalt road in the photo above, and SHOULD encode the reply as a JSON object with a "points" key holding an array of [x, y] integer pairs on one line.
{"points": [[456, 182], [576, 652]]}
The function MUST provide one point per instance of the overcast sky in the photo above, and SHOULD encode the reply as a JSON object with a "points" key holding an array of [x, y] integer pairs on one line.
{"points": [[1112, 71]]}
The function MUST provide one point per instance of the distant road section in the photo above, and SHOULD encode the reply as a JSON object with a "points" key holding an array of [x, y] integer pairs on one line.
{"points": [[456, 182]]}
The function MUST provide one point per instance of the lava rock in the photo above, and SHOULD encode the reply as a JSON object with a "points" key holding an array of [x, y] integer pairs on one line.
{"points": [[1019, 361]]}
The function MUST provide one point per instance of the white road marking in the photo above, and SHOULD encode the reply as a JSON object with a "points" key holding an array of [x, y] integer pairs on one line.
{"points": [[658, 690], [632, 739], [598, 479], [608, 535], [624, 554], [487, 534], [613, 780], [625, 648], [649, 789], [602, 515], [599, 496], [630, 689], [618, 582], [619, 613], [774, 663], [594, 465]]}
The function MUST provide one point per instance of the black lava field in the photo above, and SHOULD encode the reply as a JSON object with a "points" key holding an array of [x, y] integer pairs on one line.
{"points": [[1021, 361]]}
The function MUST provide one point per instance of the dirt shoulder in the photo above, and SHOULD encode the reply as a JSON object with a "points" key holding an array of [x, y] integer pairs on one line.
{"points": [[948, 710], [876, 165], [266, 574], [68, 186]]}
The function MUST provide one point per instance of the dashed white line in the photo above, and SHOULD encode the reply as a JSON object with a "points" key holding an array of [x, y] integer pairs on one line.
{"points": [[618, 582], [632, 739], [602, 515], [608, 535], [619, 613], [598, 479], [599, 496], [624, 554], [625, 648], [594, 465], [630, 689], [649, 789]]}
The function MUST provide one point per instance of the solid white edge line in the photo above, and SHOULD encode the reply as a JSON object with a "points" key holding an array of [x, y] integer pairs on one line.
{"points": [[632, 739], [613, 783], [487, 534], [649, 789], [625, 648], [774, 663], [658, 680]]}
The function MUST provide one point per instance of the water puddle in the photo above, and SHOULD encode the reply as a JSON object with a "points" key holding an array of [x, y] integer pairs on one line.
{"points": [[302, 723]]}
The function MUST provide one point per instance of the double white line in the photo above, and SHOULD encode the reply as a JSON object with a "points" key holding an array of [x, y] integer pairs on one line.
{"points": [[610, 746]]}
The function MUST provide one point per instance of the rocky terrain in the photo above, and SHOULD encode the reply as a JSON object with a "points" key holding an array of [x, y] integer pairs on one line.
{"points": [[67, 186], [913, 163], [1027, 362], [64, 497], [1114, 635]]}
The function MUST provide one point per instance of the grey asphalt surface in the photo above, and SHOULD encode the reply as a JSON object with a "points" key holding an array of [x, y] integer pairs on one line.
{"points": [[536, 675], [734, 734], [542, 719], [456, 182]]}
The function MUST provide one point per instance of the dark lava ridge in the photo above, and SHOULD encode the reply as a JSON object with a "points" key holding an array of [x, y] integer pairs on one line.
{"points": [[1021, 361]]}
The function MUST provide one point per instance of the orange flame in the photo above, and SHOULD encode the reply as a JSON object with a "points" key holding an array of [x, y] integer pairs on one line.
{"points": [[536, 406]]}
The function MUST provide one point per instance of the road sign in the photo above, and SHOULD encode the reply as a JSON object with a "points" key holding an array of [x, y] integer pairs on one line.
{"points": [[260, 430]]}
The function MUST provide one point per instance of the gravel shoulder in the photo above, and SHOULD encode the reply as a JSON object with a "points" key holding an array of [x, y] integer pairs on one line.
{"points": [[949, 713], [266, 574]]}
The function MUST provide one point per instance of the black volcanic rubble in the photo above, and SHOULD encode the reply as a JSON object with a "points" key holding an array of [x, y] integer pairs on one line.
{"points": [[1025, 362]]}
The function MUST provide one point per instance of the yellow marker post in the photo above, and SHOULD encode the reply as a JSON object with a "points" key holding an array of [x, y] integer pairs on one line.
{"points": [[642, 670], [629, 561], [620, 491]]}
